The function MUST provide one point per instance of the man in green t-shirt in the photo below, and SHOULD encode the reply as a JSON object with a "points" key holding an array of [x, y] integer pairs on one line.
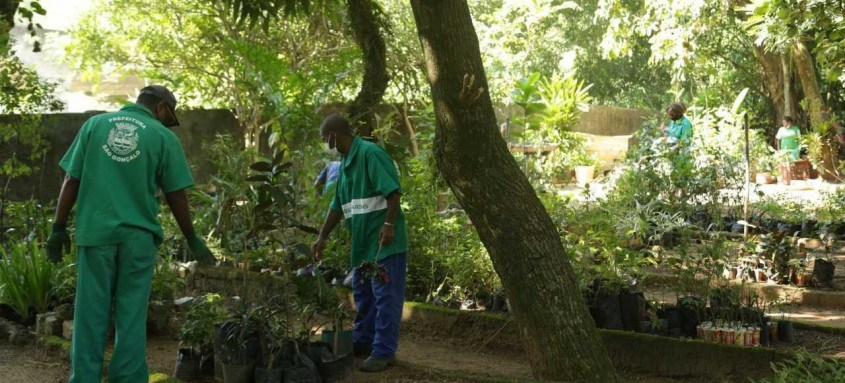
{"points": [[367, 195], [115, 167], [787, 139]]}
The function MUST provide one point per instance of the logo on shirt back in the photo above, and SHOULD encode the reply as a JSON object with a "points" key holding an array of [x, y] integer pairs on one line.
{"points": [[122, 144]]}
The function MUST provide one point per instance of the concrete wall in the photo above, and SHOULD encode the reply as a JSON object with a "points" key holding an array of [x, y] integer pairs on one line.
{"points": [[60, 129], [609, 132], [611, 121]]}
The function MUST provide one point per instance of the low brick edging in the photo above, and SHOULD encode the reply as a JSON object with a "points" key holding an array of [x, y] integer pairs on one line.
{"points": [[636, 352]]}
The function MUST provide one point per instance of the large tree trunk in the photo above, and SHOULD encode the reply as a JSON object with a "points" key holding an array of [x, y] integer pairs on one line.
{"points": [[523, 242], [779, 87], [788, 96], [820, 118], [363, 15]]}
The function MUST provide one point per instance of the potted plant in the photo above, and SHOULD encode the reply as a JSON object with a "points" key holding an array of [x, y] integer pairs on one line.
{"points": [[823, 266], [766, 167], [239, 335], [798, 269], [336, 365], [273, 337], [585, 166], [777, 248], [196, 335]]}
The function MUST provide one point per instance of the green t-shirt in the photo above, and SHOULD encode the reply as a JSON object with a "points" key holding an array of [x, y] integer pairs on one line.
{"points": [[367, 177], [789, 141], [680, 130], [122, 159]]}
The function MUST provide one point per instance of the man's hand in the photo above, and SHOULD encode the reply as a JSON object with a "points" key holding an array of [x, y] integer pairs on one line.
{"points": [[318, 248], [58, 243], [385, 237], [200, 251]]}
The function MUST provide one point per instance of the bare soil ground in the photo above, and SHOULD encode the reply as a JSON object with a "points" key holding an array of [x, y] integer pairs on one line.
{"points": [[420, 361]]}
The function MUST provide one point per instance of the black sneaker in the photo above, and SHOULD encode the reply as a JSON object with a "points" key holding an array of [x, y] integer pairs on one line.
{"points": [[362, 351], [377, 363]]}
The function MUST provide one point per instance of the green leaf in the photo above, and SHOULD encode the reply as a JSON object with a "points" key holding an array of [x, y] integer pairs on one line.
{"points": [[279, 156], [261, 166]]}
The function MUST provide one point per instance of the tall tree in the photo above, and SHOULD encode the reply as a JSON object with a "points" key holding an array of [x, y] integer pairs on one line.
{"points": [[367, 30], [364, 15], [781, 26], [521, 238]]}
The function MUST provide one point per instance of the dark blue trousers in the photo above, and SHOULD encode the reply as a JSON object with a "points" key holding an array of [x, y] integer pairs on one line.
{"points": [[380, 307]]}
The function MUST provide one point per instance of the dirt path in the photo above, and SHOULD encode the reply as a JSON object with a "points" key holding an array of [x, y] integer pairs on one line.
{"points": [[420, 361]]}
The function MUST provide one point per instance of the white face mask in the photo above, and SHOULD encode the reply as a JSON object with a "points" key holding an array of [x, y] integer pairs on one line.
{"points": [[332, 149]]}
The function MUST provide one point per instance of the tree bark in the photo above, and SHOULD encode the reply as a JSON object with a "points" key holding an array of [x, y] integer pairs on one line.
{"points": [[523, 242], [367, 33], [7, 12], [786, 65], [820, 117]]}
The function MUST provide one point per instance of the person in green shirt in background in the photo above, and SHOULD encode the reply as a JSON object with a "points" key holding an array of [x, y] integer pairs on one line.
{"points": [[367, 195], [787, 139], [679, 132], [115, 167], [679, 137]]}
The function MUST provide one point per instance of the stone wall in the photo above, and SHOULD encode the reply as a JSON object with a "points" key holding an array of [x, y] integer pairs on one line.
{"points": [[60, 129]]}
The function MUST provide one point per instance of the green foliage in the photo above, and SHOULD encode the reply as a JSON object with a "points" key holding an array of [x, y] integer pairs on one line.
{"points": [[166, 280], [544, 110], [22, 92], [717, 163], [27, 10], [449, 261], [198, 327], [266, 75], [275, 195], [807, 368], [25, 278], [781, 208], [831, 208]]}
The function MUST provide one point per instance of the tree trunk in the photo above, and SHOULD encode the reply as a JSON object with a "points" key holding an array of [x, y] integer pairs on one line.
{"points": [[363, 15], [8, 9], [523, 242], [779, 87], [820, 118], [786, 64]]}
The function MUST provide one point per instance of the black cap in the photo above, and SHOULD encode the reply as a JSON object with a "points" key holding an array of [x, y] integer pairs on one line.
{"points": [[163, 94]]}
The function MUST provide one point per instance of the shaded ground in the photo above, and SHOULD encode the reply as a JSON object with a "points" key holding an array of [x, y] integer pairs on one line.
{"points": [[421, 361]]}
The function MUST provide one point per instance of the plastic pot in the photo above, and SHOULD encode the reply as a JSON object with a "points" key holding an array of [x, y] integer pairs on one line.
{"points": [[315, 351], [187, 365], [808, 228], [803, 279], [238, 373], [273, 375], [584, 174], [335, 367], [823, 272], [632, 307], [302, 371], [774, 336], [786, 331], [606, 310], [672, 316], [340, 342], [765, 335]]}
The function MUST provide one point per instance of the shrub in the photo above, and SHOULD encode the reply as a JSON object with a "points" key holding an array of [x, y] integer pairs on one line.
{"points": [[807, 368], [25, 279]]}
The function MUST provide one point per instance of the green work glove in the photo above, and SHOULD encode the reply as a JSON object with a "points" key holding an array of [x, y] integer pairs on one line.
{"points": [[200, 251], [58, 243]]}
